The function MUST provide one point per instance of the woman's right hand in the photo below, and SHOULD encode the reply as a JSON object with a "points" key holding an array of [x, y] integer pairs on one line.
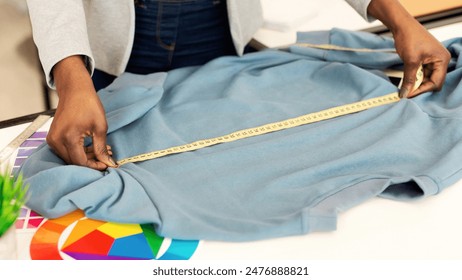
{"points": [[79, 114]]}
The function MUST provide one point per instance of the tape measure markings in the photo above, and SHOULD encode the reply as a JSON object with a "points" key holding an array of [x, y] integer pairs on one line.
{"points": [[271, 127], [341, 48], [289, 123]]}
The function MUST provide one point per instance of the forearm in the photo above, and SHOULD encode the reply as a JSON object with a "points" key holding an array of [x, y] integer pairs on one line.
{"points": [[71, 74], [415, 45], [391, 13]]}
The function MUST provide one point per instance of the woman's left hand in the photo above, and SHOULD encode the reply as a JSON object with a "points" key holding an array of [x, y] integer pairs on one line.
{"points": [[415, 45]]}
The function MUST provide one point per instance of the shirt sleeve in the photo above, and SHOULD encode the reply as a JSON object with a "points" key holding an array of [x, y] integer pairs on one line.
{"points": [[361, 7], [59, 31]]}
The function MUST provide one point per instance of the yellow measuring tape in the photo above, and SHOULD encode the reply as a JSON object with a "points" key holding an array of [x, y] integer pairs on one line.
{"points": [[285, 124], [330, 113], [342, 48]]}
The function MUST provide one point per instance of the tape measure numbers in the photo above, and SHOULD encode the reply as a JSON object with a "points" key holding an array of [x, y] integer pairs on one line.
{"points": [[289, 123], [38, 122], [271, 127], [249, 132]]}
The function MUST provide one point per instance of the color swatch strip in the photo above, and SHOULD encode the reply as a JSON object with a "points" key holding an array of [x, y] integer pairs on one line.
{"points": [[28, 219]]}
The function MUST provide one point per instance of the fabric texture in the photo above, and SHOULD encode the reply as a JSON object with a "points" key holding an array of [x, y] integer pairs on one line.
{"points": [[284, 183]]}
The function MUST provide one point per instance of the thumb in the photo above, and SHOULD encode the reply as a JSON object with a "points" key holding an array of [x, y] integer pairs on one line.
{"points": [[101, 151], [412, 78]]}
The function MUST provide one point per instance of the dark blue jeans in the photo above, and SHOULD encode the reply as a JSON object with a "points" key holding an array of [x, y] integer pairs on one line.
{"points": [[175, 33]]}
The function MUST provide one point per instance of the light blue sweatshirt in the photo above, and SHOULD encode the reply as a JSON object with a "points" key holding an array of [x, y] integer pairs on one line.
{"points": [[284, 183]]}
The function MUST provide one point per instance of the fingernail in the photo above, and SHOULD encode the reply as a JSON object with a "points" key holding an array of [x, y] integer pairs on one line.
{"points": [[403, 92], [114, 164]]}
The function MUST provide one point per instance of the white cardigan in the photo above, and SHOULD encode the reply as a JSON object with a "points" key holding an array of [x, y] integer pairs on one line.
{"points": [[103, 31]]}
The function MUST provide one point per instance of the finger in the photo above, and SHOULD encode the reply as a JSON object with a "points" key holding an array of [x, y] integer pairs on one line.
{"points": [[92, 156], [58, 148], [95, 164], [426, 86], [101, 151], [438, 75], [409, 79], [76, 153], [78, 156], [428, 70], [434, 79], [61, 152], [89, 150]]}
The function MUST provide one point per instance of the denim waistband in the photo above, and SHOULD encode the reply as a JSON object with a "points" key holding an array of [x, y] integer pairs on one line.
{"points": [[176, 33], [141, 3]]}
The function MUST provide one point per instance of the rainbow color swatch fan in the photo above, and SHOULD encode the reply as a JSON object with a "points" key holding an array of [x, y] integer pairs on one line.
{"points": [[76, 237]]}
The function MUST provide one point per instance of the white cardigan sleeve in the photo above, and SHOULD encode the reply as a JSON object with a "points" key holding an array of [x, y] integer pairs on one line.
{"points": [[59, 30], [361, 7]]}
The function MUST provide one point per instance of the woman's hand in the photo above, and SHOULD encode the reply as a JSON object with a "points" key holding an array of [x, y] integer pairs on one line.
{"points": [[415, 45], [418, 47], [79, 114]]}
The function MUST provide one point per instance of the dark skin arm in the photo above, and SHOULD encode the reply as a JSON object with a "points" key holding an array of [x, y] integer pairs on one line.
{"points": [[79, 114], [415, 45]]}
